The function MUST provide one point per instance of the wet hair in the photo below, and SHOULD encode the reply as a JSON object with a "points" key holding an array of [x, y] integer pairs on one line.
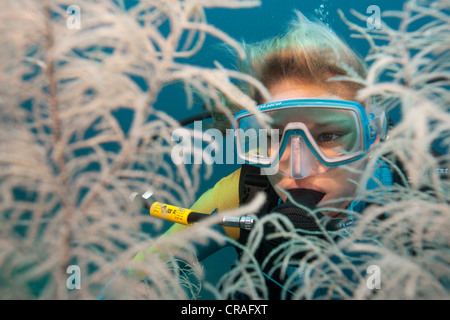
{"points": [[309, 52]]}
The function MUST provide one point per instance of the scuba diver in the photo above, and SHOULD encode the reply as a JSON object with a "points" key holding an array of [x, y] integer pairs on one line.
{"points": [[322, 141]]}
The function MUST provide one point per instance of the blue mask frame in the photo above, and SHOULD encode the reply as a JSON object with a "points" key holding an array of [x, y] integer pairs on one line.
{"points": [[366, 124]]}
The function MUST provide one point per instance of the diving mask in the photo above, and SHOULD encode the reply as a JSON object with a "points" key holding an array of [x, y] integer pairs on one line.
{"points": [[307, 136]]}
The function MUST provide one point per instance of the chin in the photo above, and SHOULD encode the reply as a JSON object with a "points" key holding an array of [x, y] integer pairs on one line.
{"points": [[341, 205]]}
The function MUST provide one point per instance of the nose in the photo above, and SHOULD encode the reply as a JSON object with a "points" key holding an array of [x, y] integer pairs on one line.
{"points": [[303, 163], [297, 160]]}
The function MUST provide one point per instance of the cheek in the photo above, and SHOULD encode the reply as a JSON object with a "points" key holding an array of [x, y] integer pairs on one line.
{"points": [[341, 182], [337, 183]]}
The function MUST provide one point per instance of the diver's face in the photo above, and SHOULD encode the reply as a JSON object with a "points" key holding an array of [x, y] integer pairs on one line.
{"points": [[335, 182]]}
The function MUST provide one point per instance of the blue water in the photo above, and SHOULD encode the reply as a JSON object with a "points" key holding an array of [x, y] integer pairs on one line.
{"points": [[253, 25], [250, 25], [256, 24]]}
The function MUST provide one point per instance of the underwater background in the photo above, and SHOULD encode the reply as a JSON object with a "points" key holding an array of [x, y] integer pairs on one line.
{"points": [[254, 25], [65, 199]]}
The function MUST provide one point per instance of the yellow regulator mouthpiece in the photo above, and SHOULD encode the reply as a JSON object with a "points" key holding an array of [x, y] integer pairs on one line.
{"points": [[182, 215], [170, 213]]}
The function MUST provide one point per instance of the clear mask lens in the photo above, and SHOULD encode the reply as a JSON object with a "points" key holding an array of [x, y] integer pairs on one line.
{"points": [[297, 160], [331, 134], [302, 162]]}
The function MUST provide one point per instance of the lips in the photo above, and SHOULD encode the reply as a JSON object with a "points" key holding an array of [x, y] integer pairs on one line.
{"points": [[307, 197], [312, 199], [301, 185]]}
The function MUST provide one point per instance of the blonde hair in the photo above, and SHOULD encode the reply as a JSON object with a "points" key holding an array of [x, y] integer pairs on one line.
{"points": [[309, 52]]}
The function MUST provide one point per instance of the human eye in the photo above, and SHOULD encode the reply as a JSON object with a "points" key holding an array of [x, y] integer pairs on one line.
{"points": [[328, 137]]}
